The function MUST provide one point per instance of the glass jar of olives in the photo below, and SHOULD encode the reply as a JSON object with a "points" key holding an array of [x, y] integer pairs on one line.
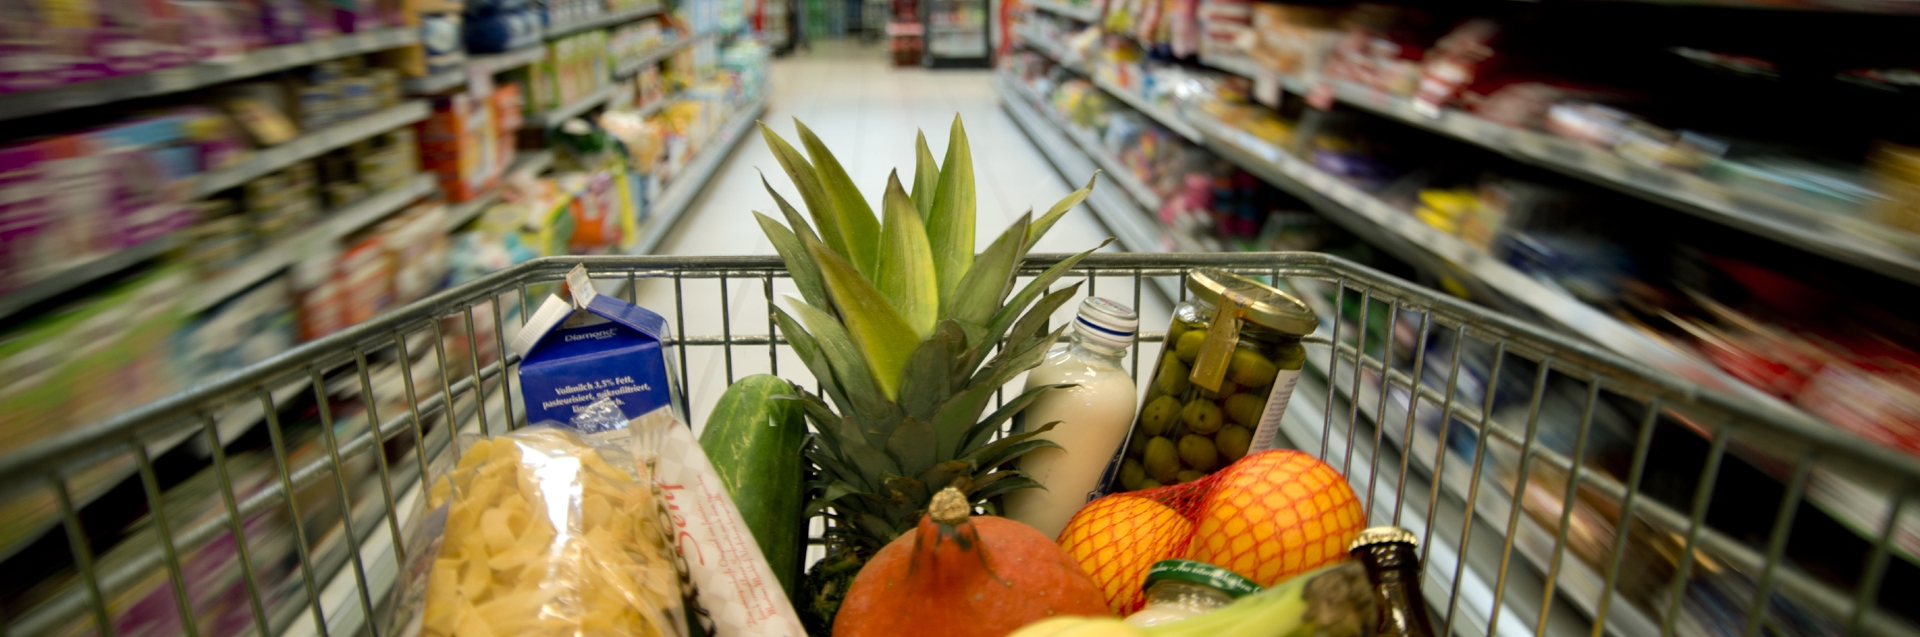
{"points": [[1222, 383]]}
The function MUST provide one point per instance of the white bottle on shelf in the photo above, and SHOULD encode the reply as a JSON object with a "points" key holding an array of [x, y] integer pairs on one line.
{"points": [[1093, 416]]}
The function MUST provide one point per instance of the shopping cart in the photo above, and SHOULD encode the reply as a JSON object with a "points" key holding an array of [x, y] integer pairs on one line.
{"points": [[1471, 429]]}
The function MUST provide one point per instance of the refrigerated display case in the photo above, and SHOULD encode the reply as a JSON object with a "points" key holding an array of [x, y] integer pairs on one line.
{"points": [[956, 34]]}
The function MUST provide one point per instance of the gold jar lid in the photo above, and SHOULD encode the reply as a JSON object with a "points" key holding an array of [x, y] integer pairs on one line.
{"points": [[1383, 535], [1265, 306]]}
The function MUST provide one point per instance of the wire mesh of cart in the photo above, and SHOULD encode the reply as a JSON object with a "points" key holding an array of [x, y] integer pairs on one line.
{"points": [[1537, 470]]}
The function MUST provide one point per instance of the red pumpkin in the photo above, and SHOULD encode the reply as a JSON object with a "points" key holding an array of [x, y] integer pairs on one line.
{"points": [[958, 575]]}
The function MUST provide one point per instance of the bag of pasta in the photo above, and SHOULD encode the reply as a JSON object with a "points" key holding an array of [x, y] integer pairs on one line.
{"points": [[549, 533]]}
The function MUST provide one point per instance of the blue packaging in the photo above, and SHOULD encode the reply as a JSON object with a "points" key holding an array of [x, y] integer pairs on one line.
{"points": [[597, 346]]}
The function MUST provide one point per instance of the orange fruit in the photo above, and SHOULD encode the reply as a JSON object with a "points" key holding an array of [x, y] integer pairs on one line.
{"points": [[1116, 538], [1276, 514]]}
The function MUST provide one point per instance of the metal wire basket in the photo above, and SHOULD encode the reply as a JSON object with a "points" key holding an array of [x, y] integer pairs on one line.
{"points": [[1697, 514]]}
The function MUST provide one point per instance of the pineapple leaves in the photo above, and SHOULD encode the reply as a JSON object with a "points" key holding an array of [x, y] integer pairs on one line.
{"points": [[1011, 447], [905, 274], [962, 411], [980, 292], [799, 223], [942, 475], [849, 369], [1014, 481], [1045, 222], [884, 338], [812, 193], [912, 446], [926, 175], [950, 220], [799, 264], [930, 375], [980, 431], [1035, 320], [857, 225], [997, 326]]}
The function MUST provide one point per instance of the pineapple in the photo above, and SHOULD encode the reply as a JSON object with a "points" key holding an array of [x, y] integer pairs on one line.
{"points": [[910, 335]]}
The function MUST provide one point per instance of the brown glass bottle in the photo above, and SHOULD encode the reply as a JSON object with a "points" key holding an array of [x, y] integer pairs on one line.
{"points": [[1393, 568]]}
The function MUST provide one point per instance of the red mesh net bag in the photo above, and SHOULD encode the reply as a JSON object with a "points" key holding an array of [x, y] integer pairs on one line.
{"points": [[1268, 517]]}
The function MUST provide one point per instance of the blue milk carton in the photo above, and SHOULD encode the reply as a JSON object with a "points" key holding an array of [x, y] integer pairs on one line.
{"points": [[576, 352]]}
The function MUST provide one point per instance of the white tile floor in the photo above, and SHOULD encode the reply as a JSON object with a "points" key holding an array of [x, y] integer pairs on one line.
{"points": [[867, 112]]}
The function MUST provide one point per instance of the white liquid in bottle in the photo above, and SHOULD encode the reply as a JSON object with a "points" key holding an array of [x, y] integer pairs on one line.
{"points": [[1093, 416]]}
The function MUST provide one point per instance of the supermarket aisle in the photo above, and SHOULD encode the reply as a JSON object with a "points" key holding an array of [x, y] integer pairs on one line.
{"points": [[866, 112]]}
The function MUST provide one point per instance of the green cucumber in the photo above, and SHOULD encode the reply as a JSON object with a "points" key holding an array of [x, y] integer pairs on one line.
{"points": [[754, 442]]}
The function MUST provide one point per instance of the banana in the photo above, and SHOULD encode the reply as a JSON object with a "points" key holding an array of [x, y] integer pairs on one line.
{"points": [[1333, 601], [1078, 627]]}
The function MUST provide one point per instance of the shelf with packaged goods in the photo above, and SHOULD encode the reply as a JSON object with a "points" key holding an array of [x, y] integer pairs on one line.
{"points": [[436, 83], [1142, 195], [554, 118], [1876, 7], [308, 146], [1791, 223], [626, 68], [1860, 507], [607, 20], [333, 225], [679, 195], [1081, 13], [80, 274], [1166, 115], [330, 551], [1579, 582], [201, 74], [525, 163], [1135, 228], [491, 63]]}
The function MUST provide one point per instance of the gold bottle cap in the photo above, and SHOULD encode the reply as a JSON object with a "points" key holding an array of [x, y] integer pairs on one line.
{"points": [[1383, 535], [1265, 305]]}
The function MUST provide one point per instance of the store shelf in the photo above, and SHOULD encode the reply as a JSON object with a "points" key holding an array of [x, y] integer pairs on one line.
{"points": [[527, 162], [1081, 13], [1142, 195], [201, 74], [1167, 116], [554, 118], [437, 83], [492, 63], [309, 146], [81, 274], [333, 225], [1762, 214], [1861, 508], [1050, 48], [1136, 230], [679, 195], [629, 67], [618, 17]]}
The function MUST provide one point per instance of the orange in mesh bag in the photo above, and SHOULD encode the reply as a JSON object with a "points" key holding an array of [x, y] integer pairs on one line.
{"points": [[1268, 517]]}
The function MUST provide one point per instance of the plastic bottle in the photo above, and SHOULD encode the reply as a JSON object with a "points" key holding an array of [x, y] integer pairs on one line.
{"points": [[1093, 416]]}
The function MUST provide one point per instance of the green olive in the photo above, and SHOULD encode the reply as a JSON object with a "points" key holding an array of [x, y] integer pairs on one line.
{"points": [[1162, 460], [1201, 416], [1131, 474], [1199, 453], [1158, 416], [1249, 368], [1148, 483], [1232, 441], [1188, 475], [1173, 376], [1244, 408], [1189, 346]]}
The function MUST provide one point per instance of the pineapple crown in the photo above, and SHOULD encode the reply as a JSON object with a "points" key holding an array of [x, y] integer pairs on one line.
{"points": [[897, 319]]}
